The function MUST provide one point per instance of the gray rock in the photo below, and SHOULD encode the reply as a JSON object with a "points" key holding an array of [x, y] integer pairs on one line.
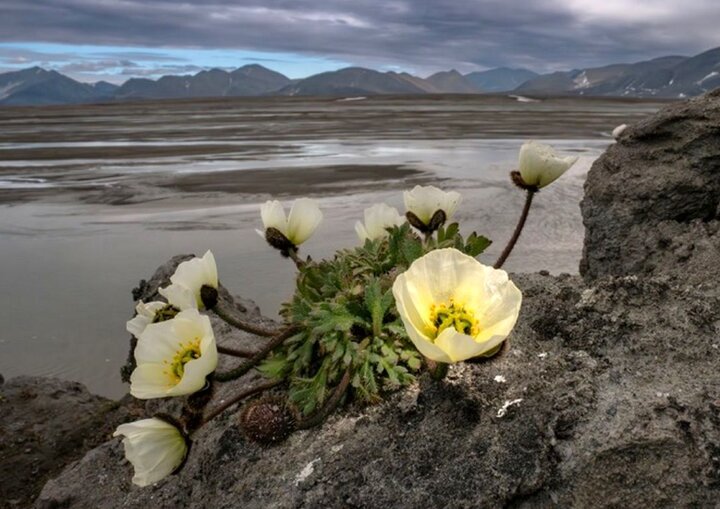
{"points": [[652, 200], [619, 407], [45, 423]]}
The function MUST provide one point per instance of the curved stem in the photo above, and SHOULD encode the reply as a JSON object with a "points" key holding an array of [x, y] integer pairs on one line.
{"points": [[235, 352], [256, 358], [293, 255], [228, 318], [330, 405], [518, 229], [238, 397]]}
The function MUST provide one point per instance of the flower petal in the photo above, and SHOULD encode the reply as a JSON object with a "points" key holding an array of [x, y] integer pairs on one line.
{"points": [[144, 317], [304, 218], [179, 296], [273, 216], [416, 318], [361, 231], [459, 347]]}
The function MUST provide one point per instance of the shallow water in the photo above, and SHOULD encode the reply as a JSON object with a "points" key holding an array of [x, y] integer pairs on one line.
{"points": [[94, 198]]}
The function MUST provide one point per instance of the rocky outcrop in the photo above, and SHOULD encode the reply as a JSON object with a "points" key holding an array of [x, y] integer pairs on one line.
{"points": [[608, 396], [45, 423], [652, 201]]}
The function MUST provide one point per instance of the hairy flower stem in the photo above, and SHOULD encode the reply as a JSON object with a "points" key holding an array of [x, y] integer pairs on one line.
{"points": [[228, 317], [518, 230], [257, 358], [235, 352], [238, 397], [293, 255], [329, 406]]}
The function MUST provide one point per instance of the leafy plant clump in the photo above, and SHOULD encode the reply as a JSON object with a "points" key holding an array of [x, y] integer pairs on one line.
{"points": [[347, 322]]}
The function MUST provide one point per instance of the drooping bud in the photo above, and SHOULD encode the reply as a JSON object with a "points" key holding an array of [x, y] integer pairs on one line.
{"points": [[267, 420]]}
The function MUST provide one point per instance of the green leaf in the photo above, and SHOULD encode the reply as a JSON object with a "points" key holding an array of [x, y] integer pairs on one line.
{"points": [[475, 244], [276, 367]]}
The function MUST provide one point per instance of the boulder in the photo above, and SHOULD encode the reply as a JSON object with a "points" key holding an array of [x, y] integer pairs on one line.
{"points": [[652, 200], [45, 423]]}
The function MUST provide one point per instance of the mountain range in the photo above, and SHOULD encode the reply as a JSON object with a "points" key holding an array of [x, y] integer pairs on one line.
{"points": [[664, 77]]}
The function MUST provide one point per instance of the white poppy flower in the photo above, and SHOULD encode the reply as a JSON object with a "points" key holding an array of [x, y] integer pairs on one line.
{"points": [[304, 218], [191, 276], [174, 357], [146, 312], [425, 201], [540, 165], [454, 307], [377, 218], [154, 447]]}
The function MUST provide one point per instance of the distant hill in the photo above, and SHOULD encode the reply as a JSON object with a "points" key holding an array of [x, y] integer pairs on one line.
{"points": [[502, 79], [38, 86], [452, 82], [665, 77], [355, 81], [249, 80]]}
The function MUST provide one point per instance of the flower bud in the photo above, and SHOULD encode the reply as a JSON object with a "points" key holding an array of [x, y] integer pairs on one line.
{"points": [[267, 420]]}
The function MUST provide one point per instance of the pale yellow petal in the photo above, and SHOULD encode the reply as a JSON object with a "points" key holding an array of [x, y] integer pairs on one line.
{"points": [[459, 347], [304, 218], [179, 296], [273, 216], [416, 319], [151, 380], [144, 317], [361, 231]]}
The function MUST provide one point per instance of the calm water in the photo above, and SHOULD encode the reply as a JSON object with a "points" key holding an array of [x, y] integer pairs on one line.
{"points": [[94, 198]]}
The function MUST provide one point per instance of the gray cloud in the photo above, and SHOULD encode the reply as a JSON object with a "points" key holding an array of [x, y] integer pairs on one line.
{"points": [[419, 35]]}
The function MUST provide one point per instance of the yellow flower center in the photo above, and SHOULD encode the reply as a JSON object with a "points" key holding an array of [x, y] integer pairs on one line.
{"points": [[188, 351], [443, 316]]}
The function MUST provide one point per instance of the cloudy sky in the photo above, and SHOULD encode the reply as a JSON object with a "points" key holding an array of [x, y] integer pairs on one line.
{"points": [[118, 39]]}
